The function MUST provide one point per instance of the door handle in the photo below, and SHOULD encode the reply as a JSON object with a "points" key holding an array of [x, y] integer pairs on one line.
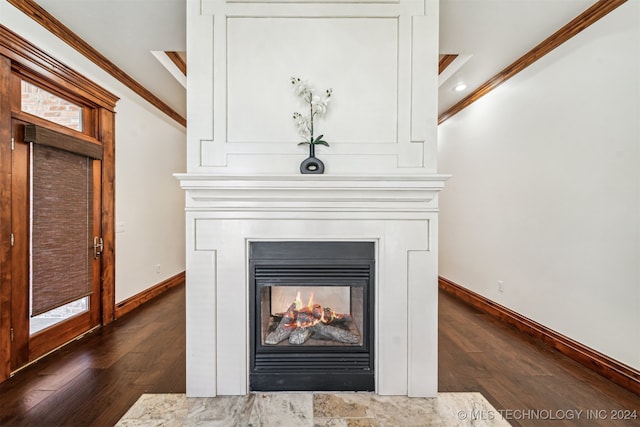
{"points": [[98, 247]]}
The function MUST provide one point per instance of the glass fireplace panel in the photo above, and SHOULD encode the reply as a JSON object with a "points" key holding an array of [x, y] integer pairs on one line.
{"points": [[312, 315], [304, 343]]}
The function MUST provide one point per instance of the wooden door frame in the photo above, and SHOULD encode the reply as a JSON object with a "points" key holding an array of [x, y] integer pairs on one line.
{"points": [[18, 56]]}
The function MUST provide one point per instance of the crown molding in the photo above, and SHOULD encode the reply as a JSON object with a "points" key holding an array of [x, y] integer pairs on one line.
{"points": [[57, 28], [178, 61], [25, 56], [590, 16], [445, 61]]}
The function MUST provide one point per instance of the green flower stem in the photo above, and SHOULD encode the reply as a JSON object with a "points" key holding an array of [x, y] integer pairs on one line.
{"points": [[311, 116]]}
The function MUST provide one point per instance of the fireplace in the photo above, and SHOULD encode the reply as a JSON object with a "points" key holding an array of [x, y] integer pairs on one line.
{"points": [[243, 186], [248, 239], [311, 316]]}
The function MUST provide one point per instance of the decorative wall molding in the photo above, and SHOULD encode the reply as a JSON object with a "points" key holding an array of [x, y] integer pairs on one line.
{"points": [[57, 28], [243, 109], [590, 16], [313, 1], [372, 115], [147, 295], [609, 368]]}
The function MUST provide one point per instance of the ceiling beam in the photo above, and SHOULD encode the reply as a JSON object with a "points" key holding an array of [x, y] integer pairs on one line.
{"points": [[597, 11], [48, 21]]}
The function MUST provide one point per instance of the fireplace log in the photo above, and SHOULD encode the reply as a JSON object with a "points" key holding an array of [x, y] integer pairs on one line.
{"points": [[317, 311], [336, 334], [331, 316], [304, 318], [283, 330], [299, 336]]}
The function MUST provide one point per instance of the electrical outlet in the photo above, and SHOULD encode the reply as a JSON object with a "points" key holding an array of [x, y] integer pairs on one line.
{"points": [[158, 268], [500, 286]]}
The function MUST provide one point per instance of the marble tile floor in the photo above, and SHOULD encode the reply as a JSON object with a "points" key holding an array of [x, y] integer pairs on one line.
{"points": [[312, 409]]}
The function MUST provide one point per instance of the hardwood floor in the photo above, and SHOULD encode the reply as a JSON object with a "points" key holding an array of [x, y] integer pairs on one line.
{"points": [[520, 376], [93, 381]]}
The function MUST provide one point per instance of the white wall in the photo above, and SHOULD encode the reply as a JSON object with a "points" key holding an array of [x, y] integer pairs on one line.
{"points": [[149, 200], [150, 147], [545, 193]]}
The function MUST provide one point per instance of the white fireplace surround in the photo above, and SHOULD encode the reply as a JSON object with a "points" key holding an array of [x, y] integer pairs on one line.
{"points": [[398, 213], [242, 182]]}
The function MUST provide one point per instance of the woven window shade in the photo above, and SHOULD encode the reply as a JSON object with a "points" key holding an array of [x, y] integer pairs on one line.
{"points": [[61, 245]]}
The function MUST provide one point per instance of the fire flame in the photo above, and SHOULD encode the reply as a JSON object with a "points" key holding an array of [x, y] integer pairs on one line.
{"points": [[306, 316], [298, 302]]}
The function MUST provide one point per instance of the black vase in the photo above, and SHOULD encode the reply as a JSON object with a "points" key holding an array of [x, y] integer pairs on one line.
{"points": [[312, 164]]}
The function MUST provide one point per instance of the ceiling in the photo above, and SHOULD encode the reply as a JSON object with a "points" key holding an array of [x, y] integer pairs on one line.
{"points": [[488, 35]]}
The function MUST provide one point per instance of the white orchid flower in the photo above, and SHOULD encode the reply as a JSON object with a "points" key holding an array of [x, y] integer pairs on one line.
{"points": [[305, 135], [304, 125], [320, 104], [317, 107], [301, 87], [327, 94]]}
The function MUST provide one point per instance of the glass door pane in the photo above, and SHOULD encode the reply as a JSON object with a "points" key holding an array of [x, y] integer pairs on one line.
{"points": [[39, 102]]}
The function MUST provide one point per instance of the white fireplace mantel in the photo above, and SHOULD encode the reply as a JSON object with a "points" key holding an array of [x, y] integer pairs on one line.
{"points": [[397, 194], [226, 213]]}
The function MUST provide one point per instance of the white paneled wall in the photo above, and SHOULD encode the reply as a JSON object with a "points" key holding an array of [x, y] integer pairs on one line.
{"points": [[380, 59]]}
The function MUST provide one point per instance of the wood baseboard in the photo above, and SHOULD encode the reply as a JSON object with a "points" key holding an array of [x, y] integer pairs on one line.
{"points": [[609, 368], [137, 300]]}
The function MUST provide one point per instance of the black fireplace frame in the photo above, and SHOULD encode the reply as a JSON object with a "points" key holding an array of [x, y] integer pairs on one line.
{"points": [[311, 368]]}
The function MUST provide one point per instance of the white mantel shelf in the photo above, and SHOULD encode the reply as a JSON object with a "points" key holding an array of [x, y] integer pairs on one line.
{"points": [[312, 193], [318, 178]]}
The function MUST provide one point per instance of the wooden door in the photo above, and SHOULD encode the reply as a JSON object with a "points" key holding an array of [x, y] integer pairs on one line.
{"points": [[55, 192], [30, 79], [28, 76]]}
